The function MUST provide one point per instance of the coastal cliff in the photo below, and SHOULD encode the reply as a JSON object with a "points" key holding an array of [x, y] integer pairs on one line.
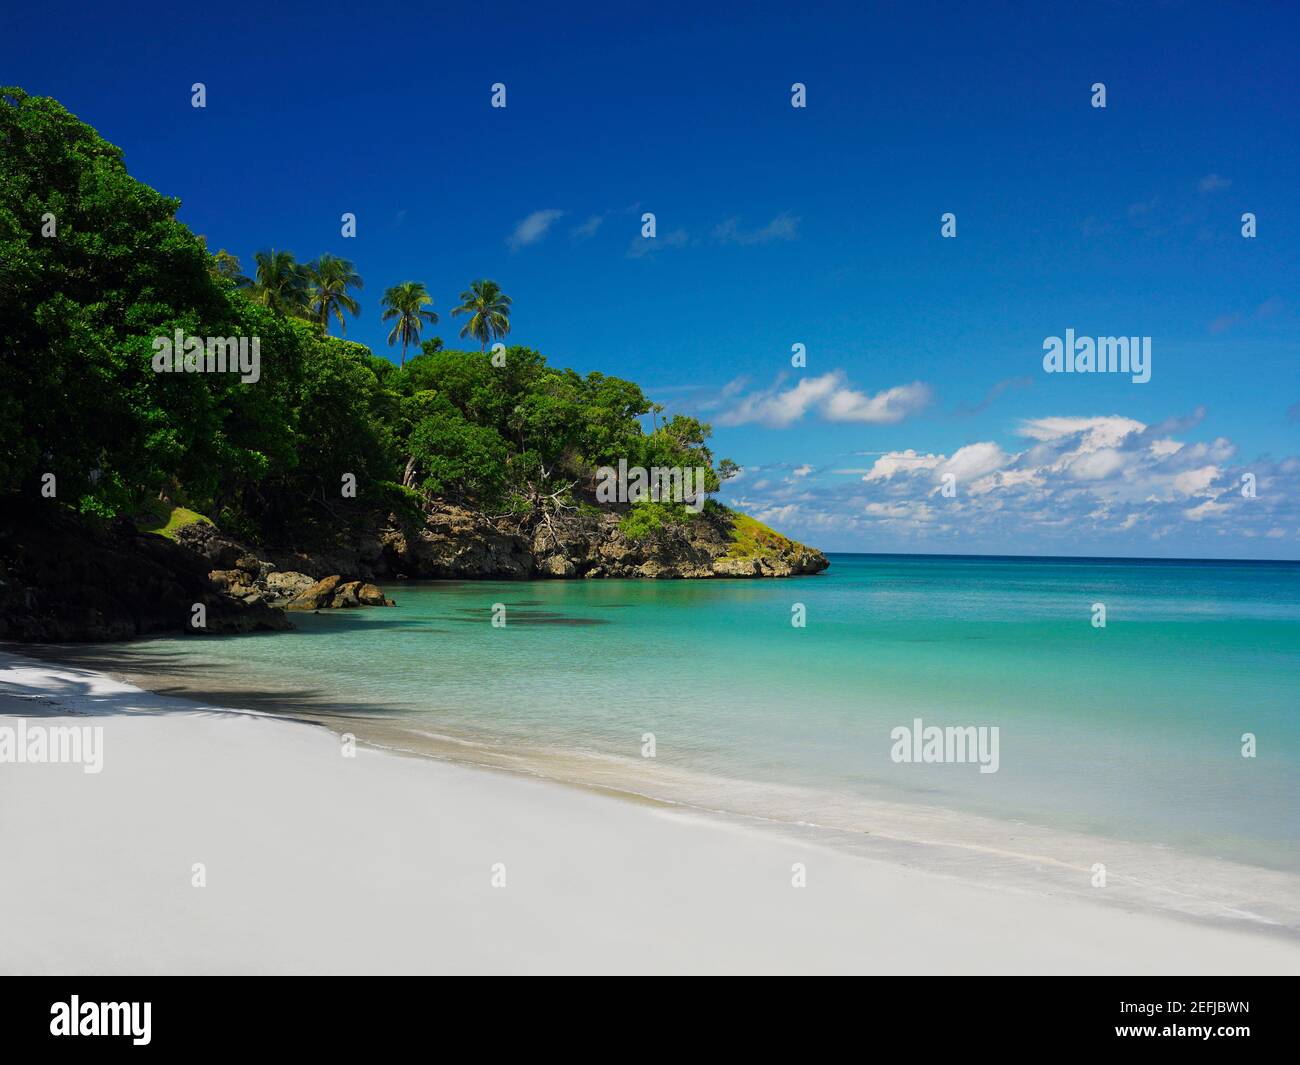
{"points": [[66, 578], [455, 543]]}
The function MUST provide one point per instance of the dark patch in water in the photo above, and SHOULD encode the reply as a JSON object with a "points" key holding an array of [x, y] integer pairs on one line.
{"points": [[535, 617], [554, 619]]}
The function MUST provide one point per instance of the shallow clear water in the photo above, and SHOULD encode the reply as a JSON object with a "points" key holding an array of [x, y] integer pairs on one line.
{"points": [[1131, 732]]}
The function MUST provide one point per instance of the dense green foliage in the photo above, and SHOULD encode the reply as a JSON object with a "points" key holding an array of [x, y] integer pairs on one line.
{"points": [[94, 266]]}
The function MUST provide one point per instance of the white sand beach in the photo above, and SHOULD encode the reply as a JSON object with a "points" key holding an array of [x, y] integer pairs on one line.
{"points": [[317, 863]]}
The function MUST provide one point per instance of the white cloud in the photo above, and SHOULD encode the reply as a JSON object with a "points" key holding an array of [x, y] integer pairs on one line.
{"points": [[1090, 485], [1208, 509], [974, 460], [884, 468], [1098, 432], [1095, 465], [782, 227], [1196, 482], [884, 408], [588, 228], [776, 408], [910, 512], [778, 515], [832, 398], [533, 228]]}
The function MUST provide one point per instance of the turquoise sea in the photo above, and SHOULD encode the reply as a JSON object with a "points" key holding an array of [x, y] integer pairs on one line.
{"points": [[1130, 732]]}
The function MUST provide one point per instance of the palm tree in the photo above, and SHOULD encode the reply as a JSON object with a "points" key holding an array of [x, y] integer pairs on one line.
{"points": [[488, 309], [329, 278], [405, 302], [280, 283]]}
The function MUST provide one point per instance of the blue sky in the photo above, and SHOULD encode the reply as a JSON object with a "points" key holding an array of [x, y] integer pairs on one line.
{"points": [[778, 226]]}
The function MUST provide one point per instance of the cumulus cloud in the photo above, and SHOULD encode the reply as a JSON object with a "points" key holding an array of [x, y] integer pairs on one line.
{"points": [[1095, 432], [1095, 465], [884, 468], [884, 408], [832, 398], [1077, 484], [973, 461], [776, 407], [1062, 483], [533, 228]]}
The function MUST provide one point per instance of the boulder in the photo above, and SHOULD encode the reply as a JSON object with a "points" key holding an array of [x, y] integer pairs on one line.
{"points": [[345, 595], [288, 585], [316, 597], [371, 595], [555, 566]]}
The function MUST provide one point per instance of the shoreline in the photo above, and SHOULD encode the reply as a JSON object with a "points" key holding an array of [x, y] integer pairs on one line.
{"points": [[594, 873], [1001, 851]]}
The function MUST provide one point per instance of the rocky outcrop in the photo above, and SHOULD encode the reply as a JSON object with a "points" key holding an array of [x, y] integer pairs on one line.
{"points": [[334, 593], [65, 578], [591, 544], [240, 573], [455, 543]]}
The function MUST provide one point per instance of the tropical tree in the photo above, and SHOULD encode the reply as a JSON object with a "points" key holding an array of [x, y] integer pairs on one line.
{"points": [[226, 265], [328, 281], [488, 309], [405, 308], [280, 283]]}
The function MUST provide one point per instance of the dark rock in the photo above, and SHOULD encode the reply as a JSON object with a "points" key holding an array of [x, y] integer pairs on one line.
{"points": [[68, 578]]}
